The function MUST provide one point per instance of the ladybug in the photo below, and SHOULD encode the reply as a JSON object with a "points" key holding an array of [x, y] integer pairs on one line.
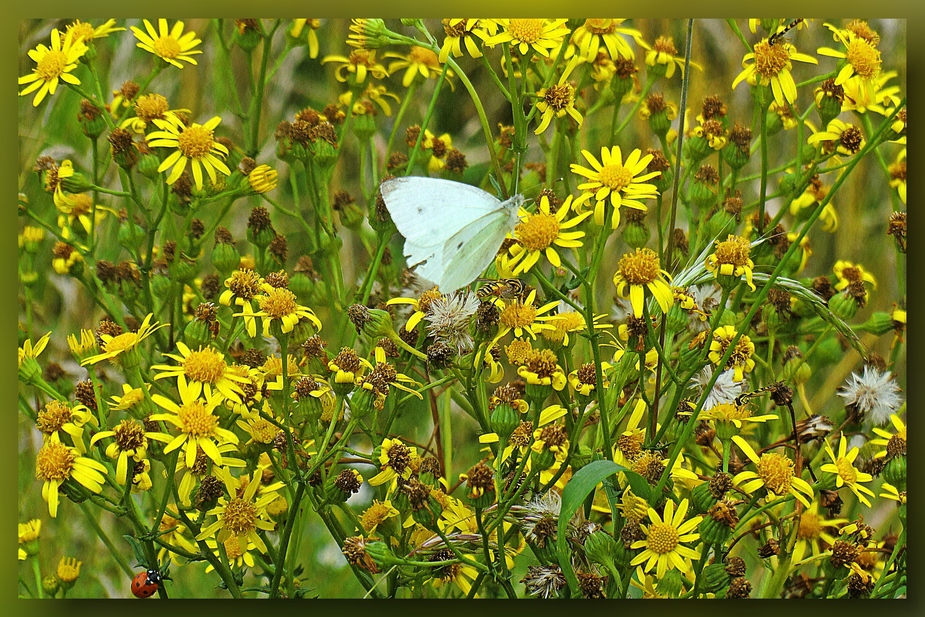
{"points": [[146, 583]]}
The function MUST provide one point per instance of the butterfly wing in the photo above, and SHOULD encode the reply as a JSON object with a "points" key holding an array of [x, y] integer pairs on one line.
{"points": [[472, 249], [427, 211]]}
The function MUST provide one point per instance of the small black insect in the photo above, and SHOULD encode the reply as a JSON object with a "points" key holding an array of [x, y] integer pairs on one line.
{"points": [[777, 37]]}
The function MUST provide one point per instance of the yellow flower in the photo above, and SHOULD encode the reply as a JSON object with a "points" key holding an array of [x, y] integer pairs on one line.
{"points": [[842, 466], [171, 45], [147, 108], [538, 233], [567, 321], [237, 557], [540, 35], [814, 194], [812, 534], [298, 25], [894, 444], [84, 32], [465, 31], [520, 316], [770, 64], [357, 67], [610, 177], [734, 414], [558, 100], [844, 138], [53, 64], [130, 442], [279, 304], [194, 144], [664, 54], [850, 274], [862, 59], [198, 424], [595, 35], [731, 259], [203, 369], [240, 515], [376, 514], [420, 306], [893, 493], [68, 569], [541, 369], [664, 548], [395, 460], [192, 475], [419, 61], [775, 474], [113, 346], [57, 463], [741, 359], [638, 270]]}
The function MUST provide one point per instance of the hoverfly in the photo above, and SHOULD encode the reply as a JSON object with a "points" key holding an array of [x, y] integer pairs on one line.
{"points": [[778, 36], [742, 398], [506, 289]]}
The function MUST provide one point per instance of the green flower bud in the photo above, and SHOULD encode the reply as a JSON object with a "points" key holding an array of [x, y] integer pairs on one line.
{"points": [[364, 126], [671, 585], [148, 164], [677, 318], [636, 234], [734, 156], [702, 497], [362, 402], [714, 577], [895, 472], [879, 323], [796, 371], [91, 119], [721, 224], [829, 353], [382, 554], [504, 419], [301, 285], [714, 532], [197, 334], [351, 216], [599, 547], [50, 585], [183, 269], [226, 258], [161, 285], [659, 122], [543, 459], [246, 37], [76, 183], [697, 147], [828, 108]]}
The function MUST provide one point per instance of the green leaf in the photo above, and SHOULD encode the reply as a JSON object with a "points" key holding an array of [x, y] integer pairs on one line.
{"points": [[579, 487], [138, 549]]}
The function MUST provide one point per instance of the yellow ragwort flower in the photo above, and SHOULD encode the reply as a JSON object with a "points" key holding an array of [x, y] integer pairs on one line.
{"points": [[195, 145], [769, 65], [642, 269], [169, 44], [620, 181], [539, 233], [53, 64]]}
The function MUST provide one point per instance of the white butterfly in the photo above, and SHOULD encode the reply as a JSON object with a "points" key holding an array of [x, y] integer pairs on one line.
{"points": [[452, 230]]}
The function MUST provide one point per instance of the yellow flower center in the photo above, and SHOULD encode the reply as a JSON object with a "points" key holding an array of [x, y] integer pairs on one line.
{"points": [[205, 365], [538, 232], [517, 315], [559, 96], [864, 58], [615, 176], [197, 420], [262, 431], [195, 141], [82, 31], [639, 268], [52, 65], [375, 515], [600, 26], [361, 56], [120, 343], [810, 526], [733, 250], [517, 351], [150, 106], [244, 283], [68, 570], [277, 303], [80, 204], [729, 412], [55, 461], [167, 47], [771, 60], [526, 30], [663, 538], [454, 31], [421, 55], [846, 470], [542, 362], [55, 415], [776, 471], [665, 45], [134, 396], [239, 516], [129, 436], [233, 549], [630, 444]]}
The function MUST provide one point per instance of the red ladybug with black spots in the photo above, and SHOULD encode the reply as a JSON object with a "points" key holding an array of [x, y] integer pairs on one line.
{"points": [[146, 583]]}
